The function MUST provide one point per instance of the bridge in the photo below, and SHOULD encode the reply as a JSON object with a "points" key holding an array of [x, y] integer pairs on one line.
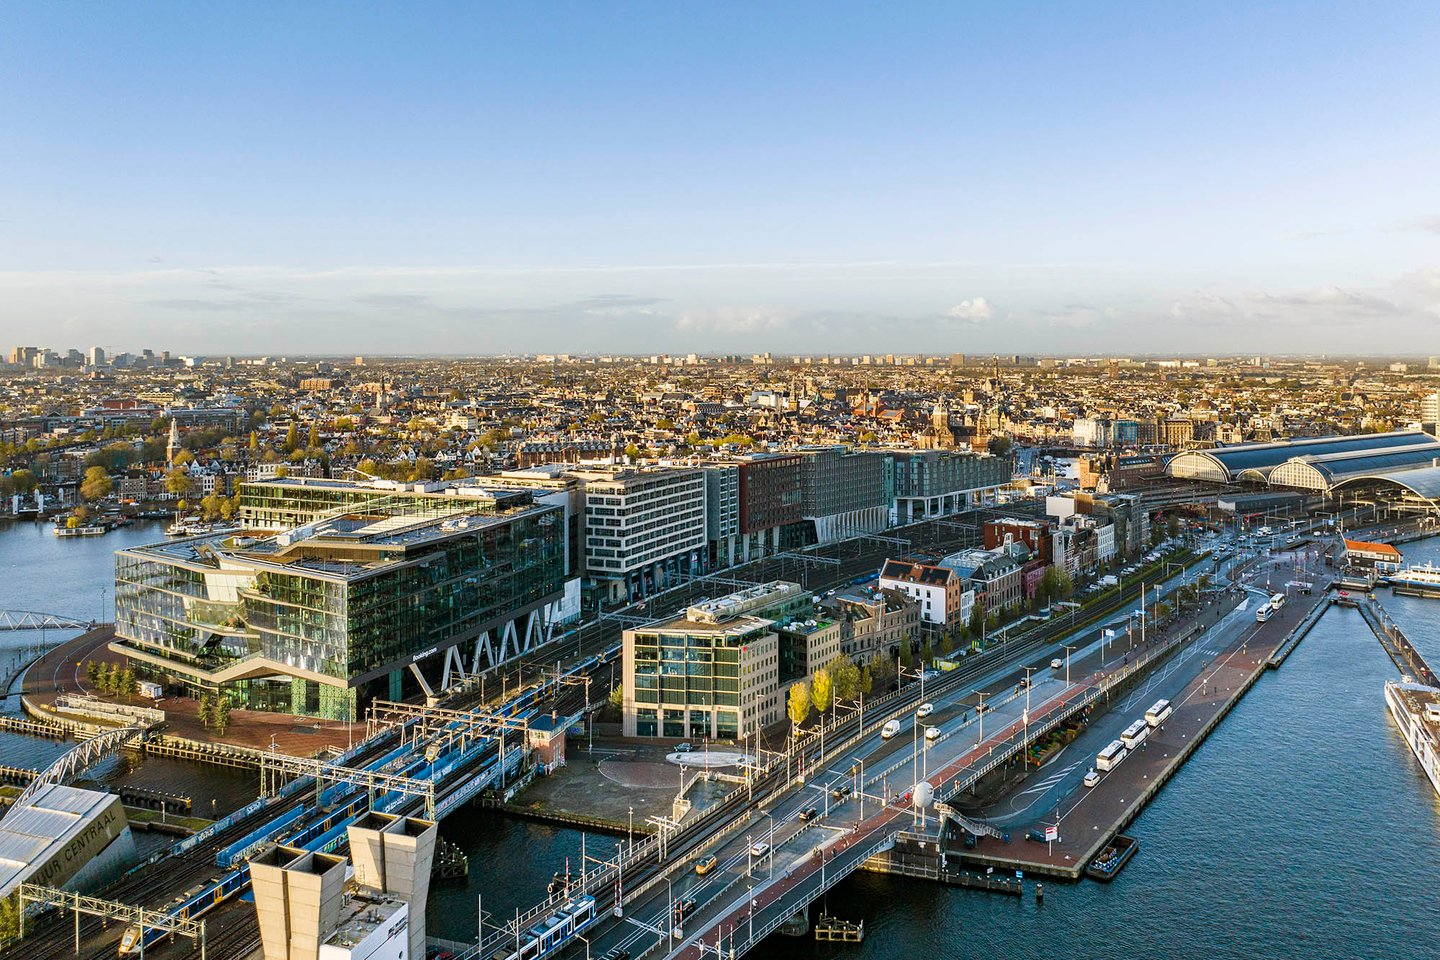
{"points": [[33, 620]]}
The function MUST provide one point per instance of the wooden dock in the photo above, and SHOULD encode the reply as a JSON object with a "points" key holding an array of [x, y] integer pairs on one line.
{"points": [[942, 873], [220, 754], [832, 930]]}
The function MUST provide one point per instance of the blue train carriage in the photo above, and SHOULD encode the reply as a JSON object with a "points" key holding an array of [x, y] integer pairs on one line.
{"points": [[553, 932], [195, 902]]}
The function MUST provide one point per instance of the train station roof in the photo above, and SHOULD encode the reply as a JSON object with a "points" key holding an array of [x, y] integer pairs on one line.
{"points": [[1423, 481], [1256, 461]]}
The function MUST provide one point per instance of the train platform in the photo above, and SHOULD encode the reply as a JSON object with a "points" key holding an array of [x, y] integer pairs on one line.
{"points": [[1089, 817], [62, 671]]}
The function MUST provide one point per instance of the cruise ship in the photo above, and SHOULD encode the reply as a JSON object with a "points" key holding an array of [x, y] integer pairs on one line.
{"points": [[1417, 580], [1416, 709]]}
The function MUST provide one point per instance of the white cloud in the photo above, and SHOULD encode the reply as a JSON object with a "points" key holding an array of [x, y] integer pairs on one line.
{"points": [[728, 320], [977, 310]]}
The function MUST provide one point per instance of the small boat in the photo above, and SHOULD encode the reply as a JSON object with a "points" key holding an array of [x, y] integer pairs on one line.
{"points": [[1112, 859]]}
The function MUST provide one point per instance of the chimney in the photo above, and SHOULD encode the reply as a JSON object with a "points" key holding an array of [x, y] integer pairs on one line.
{"points": [[393, 855], [298, 897]]}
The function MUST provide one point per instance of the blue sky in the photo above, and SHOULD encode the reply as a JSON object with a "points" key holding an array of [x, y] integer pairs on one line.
{"points": [[953, 177]]}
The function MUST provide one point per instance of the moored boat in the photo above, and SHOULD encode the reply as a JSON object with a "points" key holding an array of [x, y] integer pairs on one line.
{"points": [[1111, 860]]}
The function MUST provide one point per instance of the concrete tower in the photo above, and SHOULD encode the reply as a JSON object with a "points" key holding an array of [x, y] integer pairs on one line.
{"points": [[393, 856], [298, 901]]}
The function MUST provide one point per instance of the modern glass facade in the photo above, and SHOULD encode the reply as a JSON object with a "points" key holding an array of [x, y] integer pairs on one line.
{"points": [[301, 622], [696, 675]]}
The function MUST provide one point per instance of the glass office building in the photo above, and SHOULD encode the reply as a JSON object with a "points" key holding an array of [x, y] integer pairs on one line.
{"points": [[315, 619]]}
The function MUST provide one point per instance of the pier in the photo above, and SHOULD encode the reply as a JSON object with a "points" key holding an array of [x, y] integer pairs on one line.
{"points": [[1293, 638], [1398, 646], [1091, 818]]}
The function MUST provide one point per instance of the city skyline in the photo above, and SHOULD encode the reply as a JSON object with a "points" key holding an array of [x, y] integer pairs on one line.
{"points": [[1138, 179]]}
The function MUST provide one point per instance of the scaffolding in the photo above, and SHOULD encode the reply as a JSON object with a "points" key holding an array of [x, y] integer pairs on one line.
{"points": [[81, 905]]}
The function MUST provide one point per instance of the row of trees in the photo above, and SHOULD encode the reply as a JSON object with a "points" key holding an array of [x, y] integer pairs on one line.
{"points": [[110, 680], [838, 680]]}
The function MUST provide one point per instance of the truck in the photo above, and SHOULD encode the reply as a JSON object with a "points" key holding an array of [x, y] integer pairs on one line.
{"points": [[151, 690]]}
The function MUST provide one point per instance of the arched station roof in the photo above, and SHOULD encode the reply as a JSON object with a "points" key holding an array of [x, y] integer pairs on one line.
{"points": [[1423, 482], [1226, 464]]}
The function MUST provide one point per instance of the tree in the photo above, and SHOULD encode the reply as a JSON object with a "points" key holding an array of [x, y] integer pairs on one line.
{"points": [[222, 716], [314, 435], [97, 484], [206, 712], [110, 679], [177, 482], [822, 690], [617, 697], [254, 441], [92, 673], [927, 655], [632, 452], [867, 680], [799, 702], [1055, 584], [292, 437], [845, 676], [127, 686], [905, 652]]}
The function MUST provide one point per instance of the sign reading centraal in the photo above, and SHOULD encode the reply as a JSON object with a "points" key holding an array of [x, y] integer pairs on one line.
{"points": [[81, 848]]}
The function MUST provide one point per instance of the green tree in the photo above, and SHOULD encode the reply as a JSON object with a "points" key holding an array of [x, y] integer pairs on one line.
{"points": [[292, 437], [222, 716], [905, 652], [110, 679], [927, 656], [867, 680], [314, 435], [799, 708], [254, 441], [845, 676], [127, 686], [632, 452], [10, 917], [206, 711], [822, 690], [617, 697], [92, 673]]}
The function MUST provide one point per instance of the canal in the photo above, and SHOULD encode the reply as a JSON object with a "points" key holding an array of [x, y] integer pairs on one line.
{"points": [[1303, 828]]}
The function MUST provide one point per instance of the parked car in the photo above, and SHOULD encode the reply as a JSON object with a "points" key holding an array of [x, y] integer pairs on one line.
{"points": [[1092, 777], [685, 747]]}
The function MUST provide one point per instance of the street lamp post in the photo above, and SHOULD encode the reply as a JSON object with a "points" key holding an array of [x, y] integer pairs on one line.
{"points": [[1068, 650]]}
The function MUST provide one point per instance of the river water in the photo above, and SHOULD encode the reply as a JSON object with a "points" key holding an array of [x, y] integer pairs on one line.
{"points": [[75, 577], [1302, 829]]}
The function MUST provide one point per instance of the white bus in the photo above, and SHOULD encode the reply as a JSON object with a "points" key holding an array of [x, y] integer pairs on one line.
{"points": [[1110, 757], [1277, 601], [1158, 713], [1263, 614], [1135, 734]]}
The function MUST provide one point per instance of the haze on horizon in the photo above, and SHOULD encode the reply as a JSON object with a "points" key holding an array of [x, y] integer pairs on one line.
{"points": [[451, 178]]}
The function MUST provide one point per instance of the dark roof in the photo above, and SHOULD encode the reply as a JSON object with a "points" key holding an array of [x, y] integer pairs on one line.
{"points": [[1263, 456]]}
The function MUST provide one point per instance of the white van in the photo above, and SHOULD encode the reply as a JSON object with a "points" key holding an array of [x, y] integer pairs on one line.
{"points": [[932, 733], [890, 729], [924, 710]]}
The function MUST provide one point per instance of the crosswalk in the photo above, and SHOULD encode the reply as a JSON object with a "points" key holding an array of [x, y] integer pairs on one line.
{"points": [[1050, 781]]}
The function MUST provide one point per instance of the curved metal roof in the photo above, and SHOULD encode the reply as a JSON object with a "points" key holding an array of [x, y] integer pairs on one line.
{"points": [[1423, 481], [1337, 467], [1262, 456]]}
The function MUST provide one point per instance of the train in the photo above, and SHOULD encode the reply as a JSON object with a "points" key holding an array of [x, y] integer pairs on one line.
{"points": [[328, 832], [553, 933], [192, 903]]}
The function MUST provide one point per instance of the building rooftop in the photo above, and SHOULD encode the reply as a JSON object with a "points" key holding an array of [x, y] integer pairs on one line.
{"points": [[363, 915], [31, 836]]}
